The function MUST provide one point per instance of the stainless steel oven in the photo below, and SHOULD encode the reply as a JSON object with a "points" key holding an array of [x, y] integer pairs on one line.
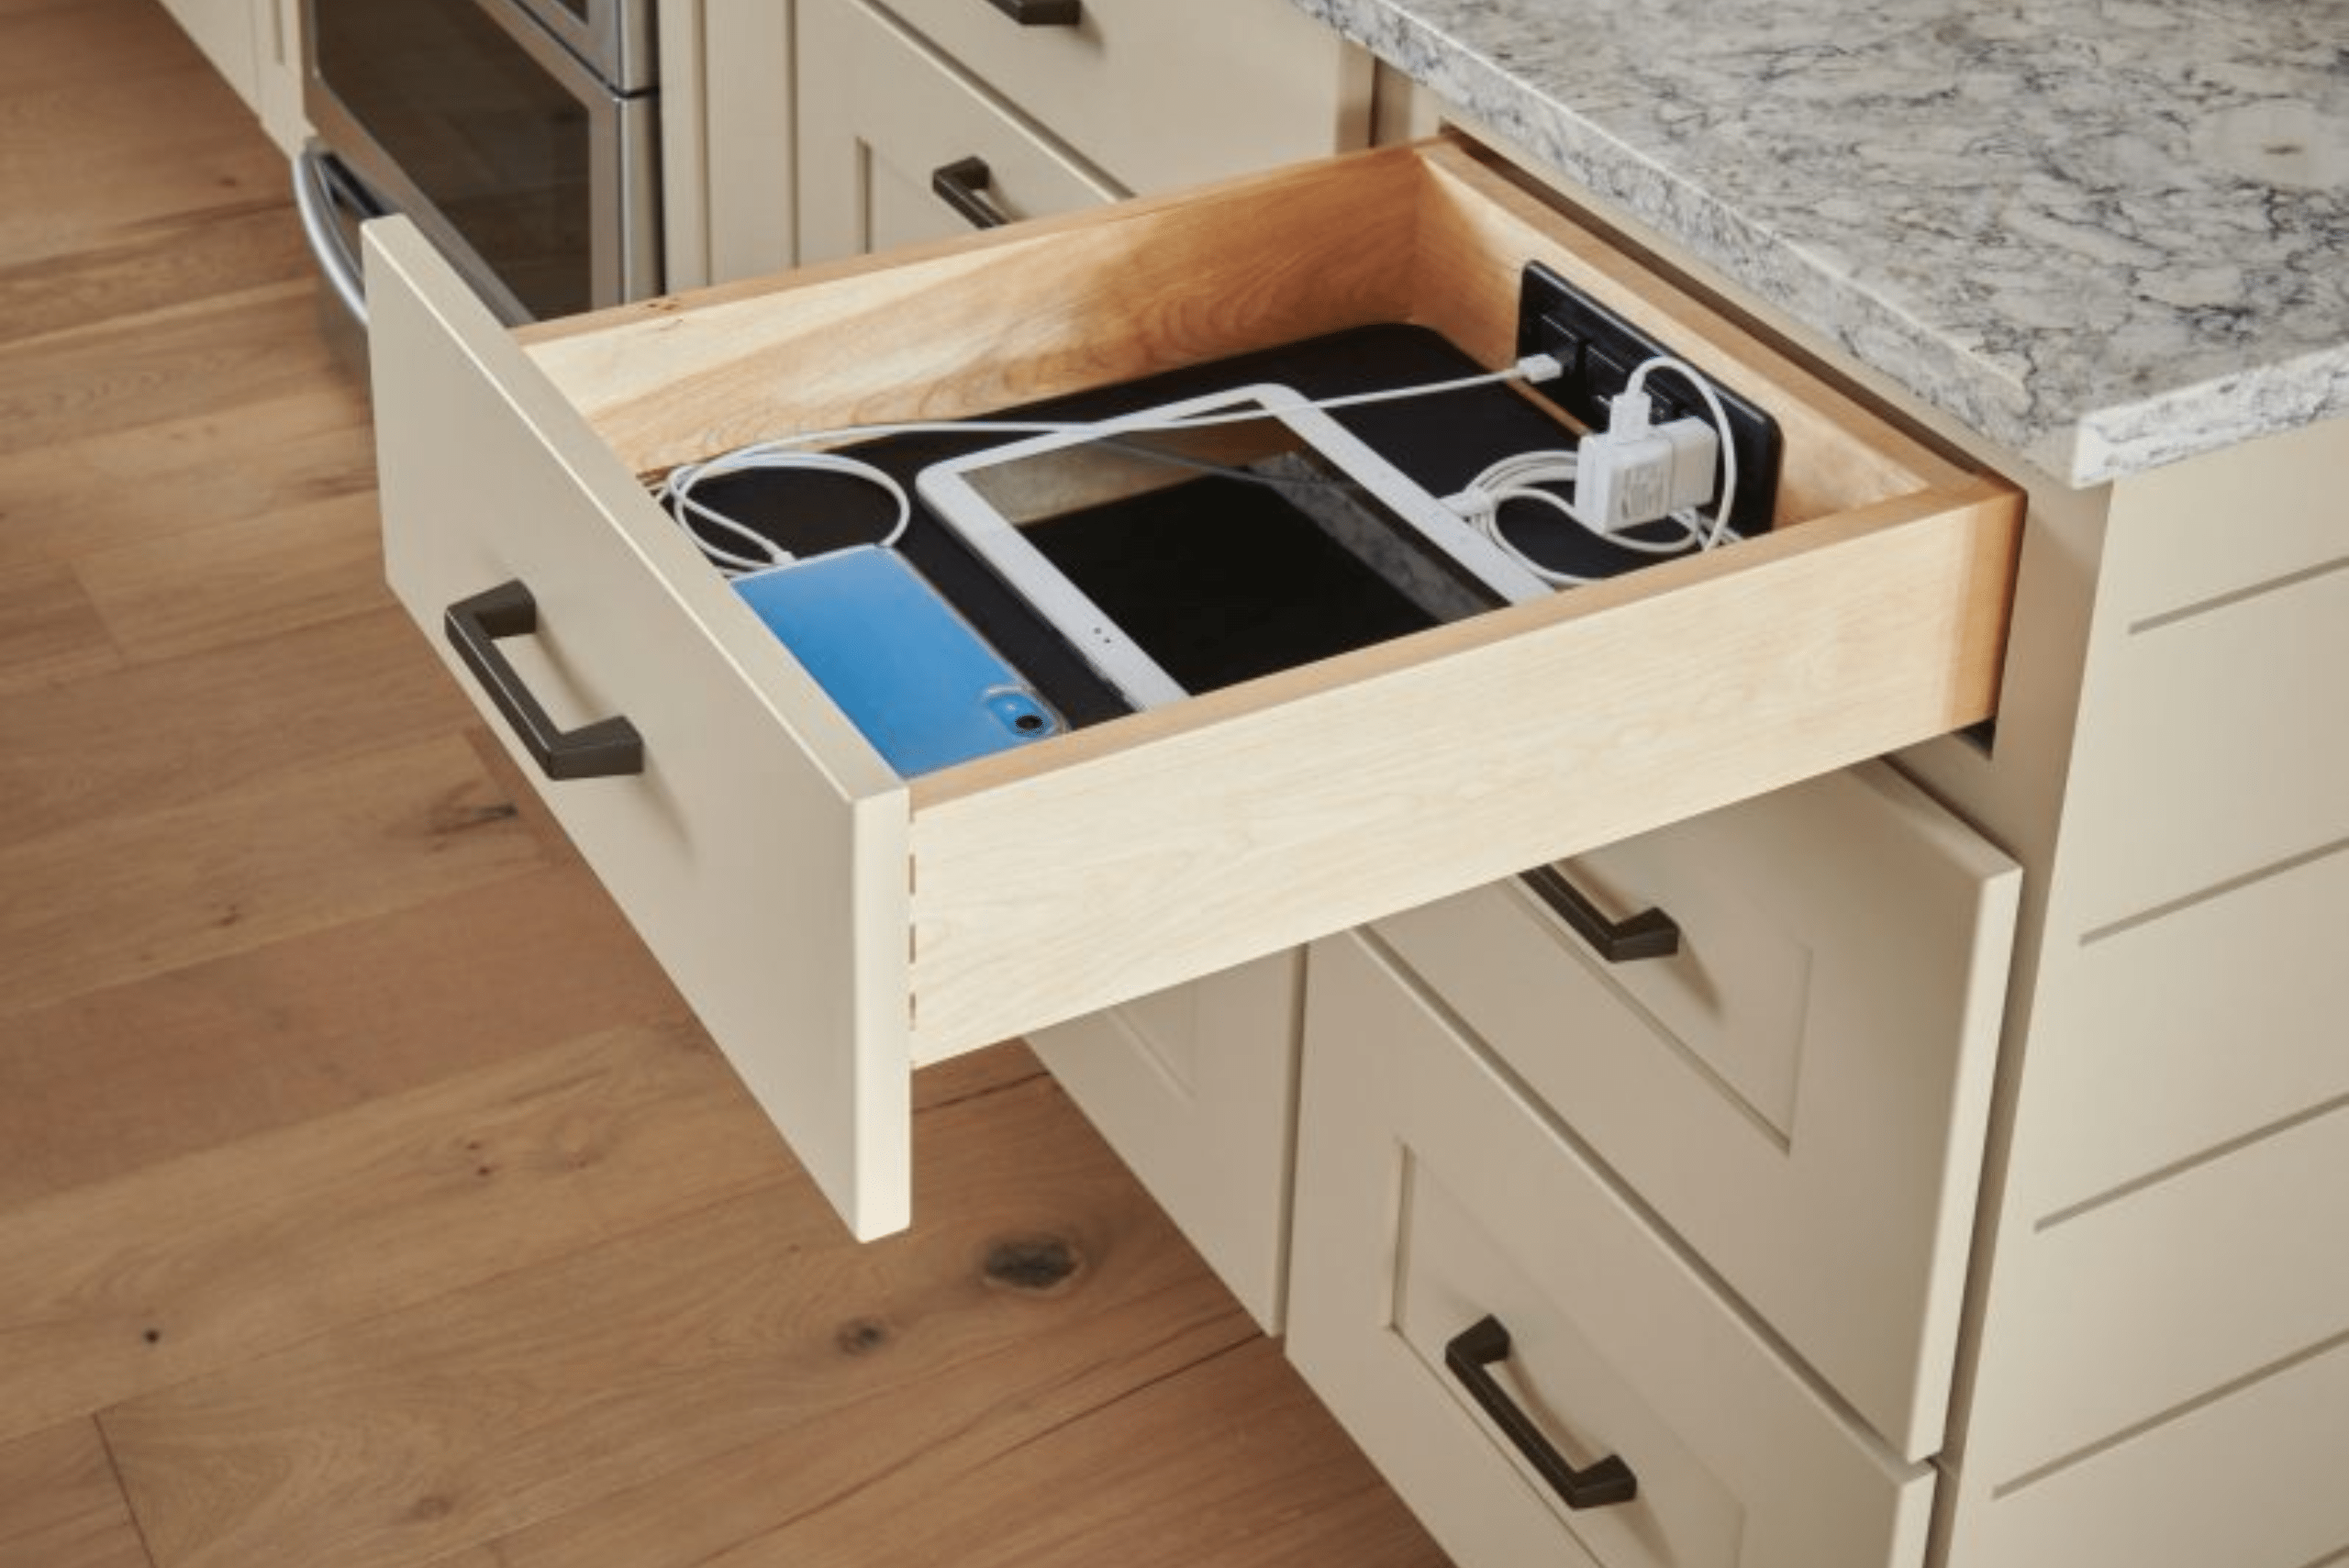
{"points": [[522, 136]]}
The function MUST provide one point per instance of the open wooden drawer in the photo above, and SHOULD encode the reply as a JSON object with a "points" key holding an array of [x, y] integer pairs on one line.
{"points": [[836, 926]]}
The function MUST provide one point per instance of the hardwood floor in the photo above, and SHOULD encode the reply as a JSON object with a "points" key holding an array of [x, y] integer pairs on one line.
{"points": [[366, 1195]]}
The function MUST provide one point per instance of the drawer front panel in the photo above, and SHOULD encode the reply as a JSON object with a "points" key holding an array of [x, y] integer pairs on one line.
{"points": [[749, 785], [880, 116], [1196, 1089], [1429, 1197], [1801, 1089], [1163, 95], [919, 919]]}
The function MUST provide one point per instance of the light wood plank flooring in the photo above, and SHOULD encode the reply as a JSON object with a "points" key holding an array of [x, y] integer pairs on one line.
{"points": [[366, 1196]]}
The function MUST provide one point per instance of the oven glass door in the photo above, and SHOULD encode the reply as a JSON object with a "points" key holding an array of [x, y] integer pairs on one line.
{"points": [[517, 160]]}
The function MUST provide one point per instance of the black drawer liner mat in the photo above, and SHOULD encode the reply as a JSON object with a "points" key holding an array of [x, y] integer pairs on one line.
{"points": [[1220, 579]]}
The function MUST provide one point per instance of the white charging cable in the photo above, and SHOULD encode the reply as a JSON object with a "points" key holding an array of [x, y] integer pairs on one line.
{"points": [[746, 550], [1625, 476]]}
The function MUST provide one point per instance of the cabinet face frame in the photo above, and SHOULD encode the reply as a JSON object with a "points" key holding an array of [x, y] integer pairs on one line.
{"points": [[899, 923]]}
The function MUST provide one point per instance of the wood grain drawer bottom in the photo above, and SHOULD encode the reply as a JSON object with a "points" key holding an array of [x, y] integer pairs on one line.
{"points": [[1430, 1197]]}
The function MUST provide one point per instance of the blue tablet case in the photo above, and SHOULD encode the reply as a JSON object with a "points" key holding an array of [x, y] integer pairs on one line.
{"points": [[909, 671]]}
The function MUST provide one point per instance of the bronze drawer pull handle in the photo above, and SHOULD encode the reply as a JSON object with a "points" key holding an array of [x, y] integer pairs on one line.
{"points": [[1651, 933], [963, 185], [1595, 1485], [1042, 13], [606, 749]]}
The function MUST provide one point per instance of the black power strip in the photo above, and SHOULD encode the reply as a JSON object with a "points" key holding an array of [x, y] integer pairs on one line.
{"points": [[1600, 349]]}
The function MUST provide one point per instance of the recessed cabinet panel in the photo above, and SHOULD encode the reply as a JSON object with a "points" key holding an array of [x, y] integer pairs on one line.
{"points": [[1195, 1088], [874, 923]]}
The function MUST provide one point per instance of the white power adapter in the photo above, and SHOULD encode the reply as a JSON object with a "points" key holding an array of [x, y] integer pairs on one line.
{"points": [[1630, 474]]}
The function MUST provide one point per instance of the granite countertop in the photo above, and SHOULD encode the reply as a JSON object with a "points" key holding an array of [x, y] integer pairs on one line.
{"points": [[2105, 234]]}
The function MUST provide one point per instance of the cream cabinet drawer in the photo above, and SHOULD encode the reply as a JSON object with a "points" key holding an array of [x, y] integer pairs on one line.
{"points": [[834, 924], [1195, 1086], [1800, 1088], [1161, 95], [888, 134], [1433, 1203]]}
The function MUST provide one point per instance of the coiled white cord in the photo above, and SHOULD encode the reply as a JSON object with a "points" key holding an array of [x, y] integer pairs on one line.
{"points": [[1524, 476], [1527, 476], [746, 550]]}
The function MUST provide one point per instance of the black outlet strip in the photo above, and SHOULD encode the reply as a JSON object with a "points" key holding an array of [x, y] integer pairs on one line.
{"points": [[1601, 350]]}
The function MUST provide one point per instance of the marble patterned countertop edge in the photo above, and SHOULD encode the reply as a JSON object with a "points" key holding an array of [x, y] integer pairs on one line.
{"points": [[2118, 242]]}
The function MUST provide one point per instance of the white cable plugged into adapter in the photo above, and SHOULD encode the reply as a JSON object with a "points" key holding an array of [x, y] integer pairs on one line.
{"points": [[1632, 473], [1626, 476], [674, 492]]}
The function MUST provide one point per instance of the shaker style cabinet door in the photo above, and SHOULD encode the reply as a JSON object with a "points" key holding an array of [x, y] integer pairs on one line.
{"points": [[1800, 1086], [1539, 1373]]}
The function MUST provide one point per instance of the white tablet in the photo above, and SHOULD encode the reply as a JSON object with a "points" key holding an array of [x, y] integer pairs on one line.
{"points": [[1269, 430]]}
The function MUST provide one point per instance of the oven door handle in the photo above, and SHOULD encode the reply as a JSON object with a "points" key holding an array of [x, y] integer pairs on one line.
{"points": [[315, 199]]}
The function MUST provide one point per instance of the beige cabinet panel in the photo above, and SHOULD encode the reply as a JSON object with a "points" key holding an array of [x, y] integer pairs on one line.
{"points": [[2185, 780], [1161, 95], [879, 115], [2231, 523], [874, 923], [1801, 1089], [1195, 1088], [277, 72], [1431, 1197], [2249, 1480], [224, 30], [2192, 1033], [2142, 1305]]}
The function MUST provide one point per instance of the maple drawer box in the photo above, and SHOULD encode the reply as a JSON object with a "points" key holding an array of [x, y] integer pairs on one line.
{"points": [[836, 926]]}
